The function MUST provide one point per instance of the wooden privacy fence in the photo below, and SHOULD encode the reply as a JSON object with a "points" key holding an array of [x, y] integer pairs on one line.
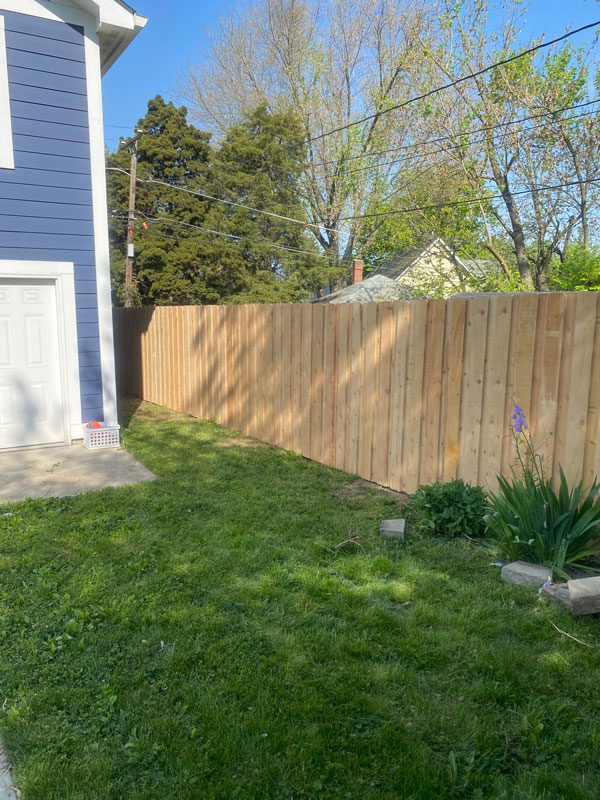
{"points": [[399, 393]]}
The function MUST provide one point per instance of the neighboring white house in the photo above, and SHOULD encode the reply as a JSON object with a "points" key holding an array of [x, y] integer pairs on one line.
{"points": [[56, 341], [410, 273]]}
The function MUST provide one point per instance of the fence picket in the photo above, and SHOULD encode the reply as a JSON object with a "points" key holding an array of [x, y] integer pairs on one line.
{"points": [[399, 393]]}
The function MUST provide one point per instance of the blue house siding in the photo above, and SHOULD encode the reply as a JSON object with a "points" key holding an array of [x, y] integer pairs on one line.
{"points": [[46, 201]]}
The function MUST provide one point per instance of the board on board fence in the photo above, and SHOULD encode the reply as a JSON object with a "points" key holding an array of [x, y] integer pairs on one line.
{"points": [[401, 393]]}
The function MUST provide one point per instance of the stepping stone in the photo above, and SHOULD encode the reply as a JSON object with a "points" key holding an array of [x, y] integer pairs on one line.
{"points": [[559, 592], [585, 596], [525, 574], [392, 528]]}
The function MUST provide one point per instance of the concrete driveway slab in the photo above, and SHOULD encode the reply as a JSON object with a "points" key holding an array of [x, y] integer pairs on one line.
{"points": [[7, 789], [66, 471]]}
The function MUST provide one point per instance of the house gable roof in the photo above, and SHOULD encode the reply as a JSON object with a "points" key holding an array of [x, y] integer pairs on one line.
{"points": [[117, 24], [403, 261], [372, 289]]}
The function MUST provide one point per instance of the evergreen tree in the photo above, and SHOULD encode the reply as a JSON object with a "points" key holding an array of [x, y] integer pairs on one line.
{"points": [[257, 165], [174, 152]]}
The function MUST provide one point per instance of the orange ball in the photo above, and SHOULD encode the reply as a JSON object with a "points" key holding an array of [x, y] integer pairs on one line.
{"points": [[94, 425]]}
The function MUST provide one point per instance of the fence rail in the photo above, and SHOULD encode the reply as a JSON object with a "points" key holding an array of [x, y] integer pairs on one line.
{"points": [[399, 393]]}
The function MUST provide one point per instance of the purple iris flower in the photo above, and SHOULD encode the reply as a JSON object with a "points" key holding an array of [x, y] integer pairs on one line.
{"points": [[519, 420]]}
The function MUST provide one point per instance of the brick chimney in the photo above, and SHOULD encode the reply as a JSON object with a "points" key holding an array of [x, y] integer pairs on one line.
{"points": [[357, 270]]}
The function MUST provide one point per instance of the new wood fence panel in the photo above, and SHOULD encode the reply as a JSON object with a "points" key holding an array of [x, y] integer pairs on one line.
{"points": [[476, 340], [353, 396], [495, 376], [381, 413], [414, 401], [399, 393], [341, 385], [432, 392], [577, 374], [369, 354], [591, 463], [330, 348], [454, 339]]}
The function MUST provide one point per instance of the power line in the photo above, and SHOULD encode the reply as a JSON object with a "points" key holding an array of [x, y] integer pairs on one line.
{"points": [[227, 202], [473, 200], [447, 149], [179, 239], [235, 237], [455, 82], [483, 129]]}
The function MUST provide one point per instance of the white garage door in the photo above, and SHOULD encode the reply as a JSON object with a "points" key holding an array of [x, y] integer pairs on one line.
{"points": [[31, 405]]}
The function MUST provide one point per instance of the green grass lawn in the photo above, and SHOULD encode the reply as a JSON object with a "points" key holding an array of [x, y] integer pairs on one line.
{"points": [[202, 637]]}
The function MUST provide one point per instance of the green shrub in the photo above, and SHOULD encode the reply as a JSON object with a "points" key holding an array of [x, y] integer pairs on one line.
{"points": [[450, 509], [531, 521]]}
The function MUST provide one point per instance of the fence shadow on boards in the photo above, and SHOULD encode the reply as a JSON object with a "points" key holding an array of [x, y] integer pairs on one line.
{"points": [[399, 393]]}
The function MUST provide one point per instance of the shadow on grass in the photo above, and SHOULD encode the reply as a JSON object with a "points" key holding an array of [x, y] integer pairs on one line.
{"points": [[202, 636]]}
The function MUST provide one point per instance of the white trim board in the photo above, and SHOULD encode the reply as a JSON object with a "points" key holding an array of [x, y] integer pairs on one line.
{"points": [[101, 241], [62, 273], [7, 156]]}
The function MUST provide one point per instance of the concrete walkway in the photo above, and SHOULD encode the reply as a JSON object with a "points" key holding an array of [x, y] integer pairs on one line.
{"points": [[7, 790], [66, 471]]}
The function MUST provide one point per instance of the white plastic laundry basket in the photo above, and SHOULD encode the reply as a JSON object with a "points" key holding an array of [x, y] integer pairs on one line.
{"points": [[101, 438]]}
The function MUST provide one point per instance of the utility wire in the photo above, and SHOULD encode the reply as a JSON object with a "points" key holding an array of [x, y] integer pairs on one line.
{"points": [[456, 82], [448, 149], [178, 239], [473, 200], [232, 236], [422, 142], [221, 200]]}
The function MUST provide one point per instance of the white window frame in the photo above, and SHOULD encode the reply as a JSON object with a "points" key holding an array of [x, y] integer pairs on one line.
{"points": [[7, 155], [62, 274]]}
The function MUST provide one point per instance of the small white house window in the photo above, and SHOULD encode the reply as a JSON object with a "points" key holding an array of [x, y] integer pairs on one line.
{"points": [[7, 156]]}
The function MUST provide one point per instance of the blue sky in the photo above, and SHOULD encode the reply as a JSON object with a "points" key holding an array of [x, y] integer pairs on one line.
{"points": [[176, 33]]}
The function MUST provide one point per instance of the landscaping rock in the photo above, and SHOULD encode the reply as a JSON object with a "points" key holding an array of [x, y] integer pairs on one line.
{"points": [[525, 574], [559, 592], [392, 528], [585, 595]]}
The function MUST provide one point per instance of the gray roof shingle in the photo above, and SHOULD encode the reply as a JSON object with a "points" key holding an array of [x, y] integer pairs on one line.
{"points": [[373, 289]]}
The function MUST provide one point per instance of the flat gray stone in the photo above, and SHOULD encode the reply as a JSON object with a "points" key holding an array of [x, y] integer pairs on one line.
{"points": [[65, 471], [7, 789], [525, 574], [392, 528], [585, 595], [559, 593]]}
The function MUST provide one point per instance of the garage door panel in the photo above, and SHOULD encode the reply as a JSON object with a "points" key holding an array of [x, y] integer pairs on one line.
{"points": [[6, 343], [40, 405], [35, 342], [33, 296], [8, 407]]}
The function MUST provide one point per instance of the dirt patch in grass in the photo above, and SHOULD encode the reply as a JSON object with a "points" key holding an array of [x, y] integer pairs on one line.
{"points": [[239, 441], [360, 490]]}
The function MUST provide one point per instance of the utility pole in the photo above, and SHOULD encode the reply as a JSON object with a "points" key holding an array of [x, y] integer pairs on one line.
{"points": [[130, 255]]}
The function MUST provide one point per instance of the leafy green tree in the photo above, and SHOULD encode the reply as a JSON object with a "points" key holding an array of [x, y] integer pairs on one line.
{"points": [[458, 225], [579, 272]]}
